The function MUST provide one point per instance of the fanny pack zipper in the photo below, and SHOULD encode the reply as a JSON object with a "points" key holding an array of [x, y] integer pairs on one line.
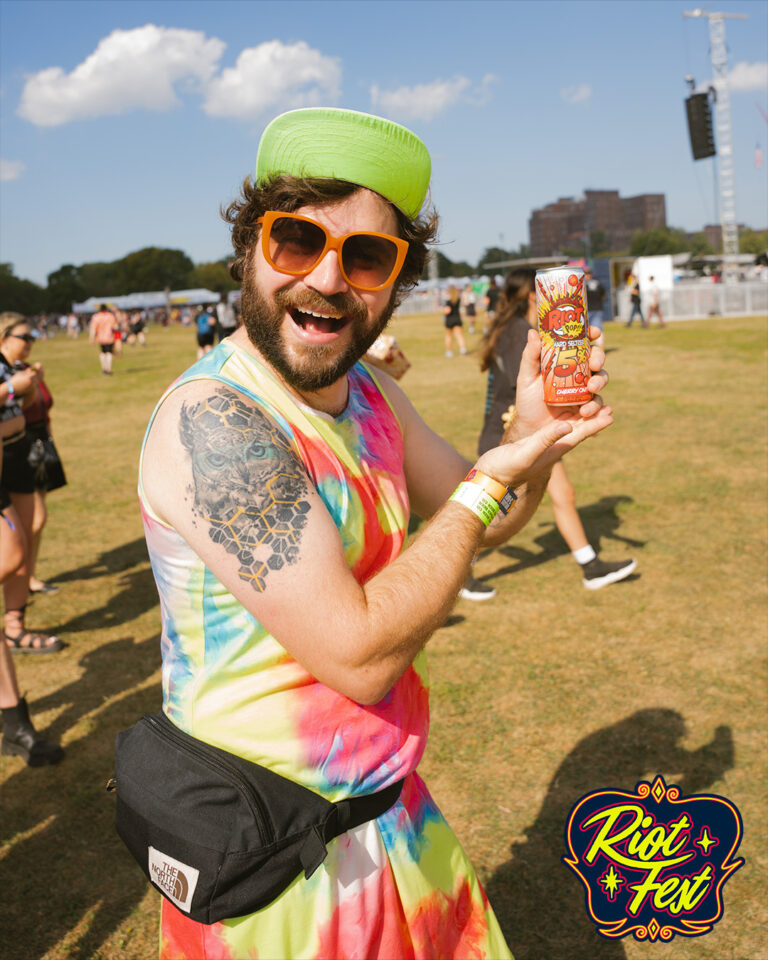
{"points": [[207, 754]]}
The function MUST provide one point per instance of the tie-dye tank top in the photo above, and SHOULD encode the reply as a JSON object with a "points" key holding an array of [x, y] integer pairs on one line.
{"points": [[389, 887]]}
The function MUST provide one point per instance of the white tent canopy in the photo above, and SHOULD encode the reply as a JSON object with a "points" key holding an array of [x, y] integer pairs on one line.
{"points": [[145, 301]]}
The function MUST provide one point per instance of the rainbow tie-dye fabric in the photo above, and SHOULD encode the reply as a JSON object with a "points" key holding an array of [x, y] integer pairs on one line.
{"points": [[397, 887]]}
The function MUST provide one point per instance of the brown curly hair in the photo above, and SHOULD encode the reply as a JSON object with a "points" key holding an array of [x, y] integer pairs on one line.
{"points": [[288, 194]]}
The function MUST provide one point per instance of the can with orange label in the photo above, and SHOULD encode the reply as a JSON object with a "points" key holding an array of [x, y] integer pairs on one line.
{"points": [[561, 307]]}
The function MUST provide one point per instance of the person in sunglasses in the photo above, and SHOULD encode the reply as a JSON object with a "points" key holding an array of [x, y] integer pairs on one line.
{"points": [[276, 482], [18, 484]]}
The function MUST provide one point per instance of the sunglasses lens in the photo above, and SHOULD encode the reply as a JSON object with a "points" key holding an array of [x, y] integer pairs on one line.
{"points": [[368, 261], [295, 245]]}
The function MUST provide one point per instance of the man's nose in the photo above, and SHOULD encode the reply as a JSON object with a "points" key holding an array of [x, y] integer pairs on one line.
{"points": [[326, 276]]}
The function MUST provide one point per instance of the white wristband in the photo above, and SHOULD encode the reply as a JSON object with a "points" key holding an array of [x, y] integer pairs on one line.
{"points": [[477, 500]]}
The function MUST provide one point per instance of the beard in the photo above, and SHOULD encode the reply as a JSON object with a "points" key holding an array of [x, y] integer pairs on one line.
{"points": [[317, 365]]}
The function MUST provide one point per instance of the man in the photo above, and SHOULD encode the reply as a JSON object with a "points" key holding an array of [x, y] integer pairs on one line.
{"points": [[103, 329], [595, 299], [276, 482]]}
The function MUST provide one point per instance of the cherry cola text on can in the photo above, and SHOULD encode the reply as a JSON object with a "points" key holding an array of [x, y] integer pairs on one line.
{"points": [[561, 307]]}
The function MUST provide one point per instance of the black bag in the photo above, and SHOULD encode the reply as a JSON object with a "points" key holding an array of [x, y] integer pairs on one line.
{"points": [[217, 835], [43, 458]]}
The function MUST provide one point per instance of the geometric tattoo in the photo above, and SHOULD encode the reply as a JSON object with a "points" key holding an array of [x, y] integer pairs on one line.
{"points": [[249, 486]]}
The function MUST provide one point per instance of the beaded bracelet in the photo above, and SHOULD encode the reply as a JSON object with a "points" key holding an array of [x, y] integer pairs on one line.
{"points": [[477, 500]]}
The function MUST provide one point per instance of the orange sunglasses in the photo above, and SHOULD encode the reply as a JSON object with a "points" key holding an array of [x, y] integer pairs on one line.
{"points": [[294, 244]]}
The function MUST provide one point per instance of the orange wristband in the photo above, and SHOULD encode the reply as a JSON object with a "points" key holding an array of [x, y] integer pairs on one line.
{"points": [[501, 494]]}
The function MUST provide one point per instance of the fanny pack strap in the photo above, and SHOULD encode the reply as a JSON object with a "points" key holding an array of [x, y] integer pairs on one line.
{"points": [[345, 815]]}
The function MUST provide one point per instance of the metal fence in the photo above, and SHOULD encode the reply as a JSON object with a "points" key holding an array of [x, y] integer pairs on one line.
{"points": [[686, 301]]}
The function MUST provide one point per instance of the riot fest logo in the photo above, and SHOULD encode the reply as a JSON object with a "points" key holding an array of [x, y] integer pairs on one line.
{"points": [[653, 863]]}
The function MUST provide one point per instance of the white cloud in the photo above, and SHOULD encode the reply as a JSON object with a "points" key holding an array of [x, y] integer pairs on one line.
{"points": [[273, 74], [11, 169], [749, 77], [424, 101], [579, 94], [129, 70]]}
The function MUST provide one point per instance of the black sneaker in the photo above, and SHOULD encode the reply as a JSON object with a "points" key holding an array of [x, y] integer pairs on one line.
{"points": [[598, 573], [476, 590]]}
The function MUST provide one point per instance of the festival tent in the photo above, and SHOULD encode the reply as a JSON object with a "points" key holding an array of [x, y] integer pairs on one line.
{"points": [[146, 301]]}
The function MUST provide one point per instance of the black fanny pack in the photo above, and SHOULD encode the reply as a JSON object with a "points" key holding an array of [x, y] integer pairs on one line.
{"points": [[217, 835]]}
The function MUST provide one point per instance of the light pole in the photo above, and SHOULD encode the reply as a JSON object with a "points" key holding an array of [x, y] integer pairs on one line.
{"points": [[719, 56]]}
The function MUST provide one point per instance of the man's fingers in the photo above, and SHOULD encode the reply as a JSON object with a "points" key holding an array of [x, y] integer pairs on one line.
{"points": [[530, 363], [596, 358]]}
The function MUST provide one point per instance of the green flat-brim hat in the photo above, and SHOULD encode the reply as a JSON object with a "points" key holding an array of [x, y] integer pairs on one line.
{"points": [[347, 145]]}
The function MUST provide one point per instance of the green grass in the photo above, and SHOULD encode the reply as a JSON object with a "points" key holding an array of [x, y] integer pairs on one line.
{"points": [[543, 694]]}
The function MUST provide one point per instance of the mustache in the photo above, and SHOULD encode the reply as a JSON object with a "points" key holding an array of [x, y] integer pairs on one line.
{"points": [[342, 303]]}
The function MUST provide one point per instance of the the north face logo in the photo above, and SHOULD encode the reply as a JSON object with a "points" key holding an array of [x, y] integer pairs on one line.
{"points": [[173, 878]]}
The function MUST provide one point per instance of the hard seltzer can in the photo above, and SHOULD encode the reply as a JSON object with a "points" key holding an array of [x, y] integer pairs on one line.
{"points": [[561, 307]]}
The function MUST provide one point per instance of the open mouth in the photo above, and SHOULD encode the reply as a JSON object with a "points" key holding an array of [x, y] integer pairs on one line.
{"points": [[317, 327]]}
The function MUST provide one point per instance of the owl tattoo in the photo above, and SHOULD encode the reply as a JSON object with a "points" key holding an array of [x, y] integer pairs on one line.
{"points": [[249, 487]]}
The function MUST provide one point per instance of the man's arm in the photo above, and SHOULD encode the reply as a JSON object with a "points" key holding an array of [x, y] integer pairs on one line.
{"points": [[219, 470]]}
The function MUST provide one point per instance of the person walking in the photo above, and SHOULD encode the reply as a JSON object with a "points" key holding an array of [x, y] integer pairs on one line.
{"points": [[276, 481], [103, 331], [634, 297], [500, 355], [469, 306], [453, 324], [205, 328]]}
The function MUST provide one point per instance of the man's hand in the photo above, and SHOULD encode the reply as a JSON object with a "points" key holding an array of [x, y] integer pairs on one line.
{"points": [[534, 417], [533, 413]]}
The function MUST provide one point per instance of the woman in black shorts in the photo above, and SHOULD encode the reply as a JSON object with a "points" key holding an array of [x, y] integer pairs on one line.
{"points": [[453, 324], [18, 483]]}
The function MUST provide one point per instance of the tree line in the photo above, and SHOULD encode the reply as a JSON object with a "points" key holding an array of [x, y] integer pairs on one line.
{"points": [[153, 268], [160, 268]]}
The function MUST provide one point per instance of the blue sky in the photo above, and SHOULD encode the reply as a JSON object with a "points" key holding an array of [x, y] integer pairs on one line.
{"points": [[127, 124]]}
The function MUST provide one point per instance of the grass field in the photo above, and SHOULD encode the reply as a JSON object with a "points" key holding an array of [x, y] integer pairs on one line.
{"points": [[539, 696]]}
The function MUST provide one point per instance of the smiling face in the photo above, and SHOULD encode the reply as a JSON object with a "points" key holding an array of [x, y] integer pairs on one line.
{"points": [[312, 329], [13, 347]]}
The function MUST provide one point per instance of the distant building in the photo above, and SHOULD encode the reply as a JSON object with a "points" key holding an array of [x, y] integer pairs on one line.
{"points": [[568, 222]]}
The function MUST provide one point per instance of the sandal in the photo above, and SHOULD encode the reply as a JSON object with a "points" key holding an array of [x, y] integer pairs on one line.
{"points": [[29, 642], [44, 588]]}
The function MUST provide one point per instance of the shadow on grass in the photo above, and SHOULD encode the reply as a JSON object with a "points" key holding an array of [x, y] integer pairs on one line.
{"points": [[539, 902], [601, 522], [69, 868], [137, 593], [121, 558]]}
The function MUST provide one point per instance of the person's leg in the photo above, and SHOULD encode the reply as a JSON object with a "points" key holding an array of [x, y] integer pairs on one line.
{"points": [[560, 490], [448, 342], [11, 544], [39, 516], [16, 589], [460, 339], [19, 735]]}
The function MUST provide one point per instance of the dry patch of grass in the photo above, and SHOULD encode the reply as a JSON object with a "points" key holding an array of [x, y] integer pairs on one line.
{"points": [[539, 696]]}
